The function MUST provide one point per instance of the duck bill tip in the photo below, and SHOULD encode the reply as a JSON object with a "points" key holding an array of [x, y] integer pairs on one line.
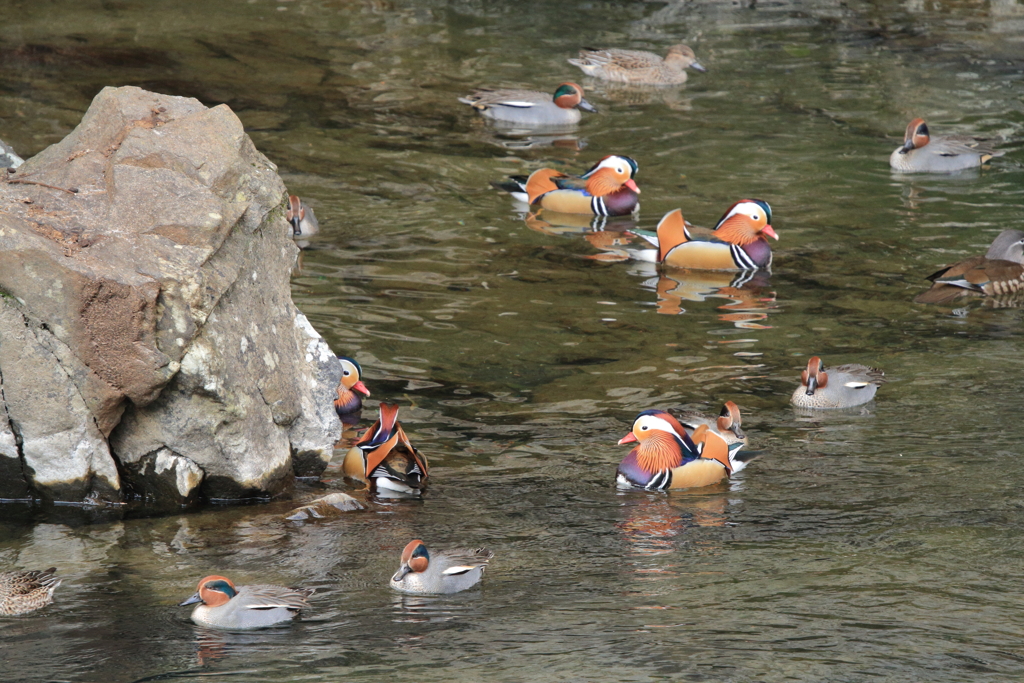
{"points": [[361, 388], [770, 231], [628, 438], [587, 106], [632, 185], [697, 66], [191, 601]]}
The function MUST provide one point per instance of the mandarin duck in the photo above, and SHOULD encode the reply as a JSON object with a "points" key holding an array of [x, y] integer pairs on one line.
{"points": [[736, 243], [999, 273], [843, 386], [530, 107], [606, 189], [638, 67], [924, 153], [348, 400], [666, 458], [384, 459], [441, 571], [223, 605], [301, 217], [26, 591], [727, 424]]}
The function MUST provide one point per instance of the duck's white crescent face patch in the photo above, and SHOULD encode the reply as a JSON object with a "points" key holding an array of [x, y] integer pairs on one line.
{"points": [[648, 422], [750, 209]]}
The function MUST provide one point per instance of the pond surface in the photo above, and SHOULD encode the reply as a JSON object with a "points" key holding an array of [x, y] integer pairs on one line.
{"points": [[878, 544]]}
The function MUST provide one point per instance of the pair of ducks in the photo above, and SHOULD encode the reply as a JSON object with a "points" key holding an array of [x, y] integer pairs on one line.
{"points": [[693, 450], [736, 243], [221, 604], [532, 108]]}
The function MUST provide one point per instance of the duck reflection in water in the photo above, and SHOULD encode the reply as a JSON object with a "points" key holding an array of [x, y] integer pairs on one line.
{"points": [[653, 523], [557, 223], [747, 291]]}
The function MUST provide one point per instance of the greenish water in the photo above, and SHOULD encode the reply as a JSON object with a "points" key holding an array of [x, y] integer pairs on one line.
{"points": [[880, 544]]}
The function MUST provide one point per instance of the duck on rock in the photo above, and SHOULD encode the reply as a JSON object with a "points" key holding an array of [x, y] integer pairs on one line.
{"points": [[606, 189], [736, 243], [531, 108], [384, 459]]}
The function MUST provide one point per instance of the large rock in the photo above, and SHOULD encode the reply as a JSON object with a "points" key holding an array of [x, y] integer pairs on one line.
{"points": [[148, 342]]}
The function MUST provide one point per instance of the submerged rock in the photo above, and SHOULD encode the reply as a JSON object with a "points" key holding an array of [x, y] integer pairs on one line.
{"points": [[330, 505], [147, 330]]}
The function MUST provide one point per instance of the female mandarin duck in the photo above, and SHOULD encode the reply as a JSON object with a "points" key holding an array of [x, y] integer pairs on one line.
{"points": [[728, 425], [666, 458], [606, 189], [1000, 272], [25, 591], [530, 107], [638, 67], [844, 386], [922, 152], [384, 458], [348, 400], [737, 242], [301, 217], [443, 571], [223, 605]]}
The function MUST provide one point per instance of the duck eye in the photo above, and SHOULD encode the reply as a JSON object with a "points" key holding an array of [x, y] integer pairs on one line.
{"points": [[347, 373], [644, 428]]}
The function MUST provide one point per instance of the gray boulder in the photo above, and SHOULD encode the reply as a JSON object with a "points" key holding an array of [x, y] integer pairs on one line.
{"points": [[149, 345]]}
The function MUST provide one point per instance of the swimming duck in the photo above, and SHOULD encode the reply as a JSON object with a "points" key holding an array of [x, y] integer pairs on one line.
{"points": [[25, 591], [348, 400], [223, 605], [384, 458], [442, 571], [1000, 272], [666, 458], [736, 243], [638, 67], [922, 152], [843, 386], [301, 217], [606, 189], [727, 424], [530, 107]]}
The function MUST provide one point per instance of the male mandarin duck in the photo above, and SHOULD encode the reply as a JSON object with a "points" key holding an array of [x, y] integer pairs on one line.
{"points": [[384, 458], [638, 67], [223, 605], [737, 242], [301, 217], [348, 400], [843, 386], [666, 458], [922, 152], [999, 273], [727, 424], [606, 189], [26, 591], [530, 107], [441, 571]]}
